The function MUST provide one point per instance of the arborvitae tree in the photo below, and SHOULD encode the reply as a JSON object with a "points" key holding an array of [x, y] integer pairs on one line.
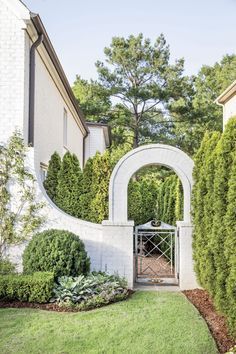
{"points": [[230, 247], [170, 212], [69, 187], [87, 196], [100, 186], [149, 193], [208, 265], [134, 202], [179, 201], [226, 152], [51, 181], [199, 191], [160, 202]]}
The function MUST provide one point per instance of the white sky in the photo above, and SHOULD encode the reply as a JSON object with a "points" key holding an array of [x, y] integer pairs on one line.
{"points": [[201, 31]]}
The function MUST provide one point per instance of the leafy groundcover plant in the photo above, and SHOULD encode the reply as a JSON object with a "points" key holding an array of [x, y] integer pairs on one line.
{"points": [[84, 293]]}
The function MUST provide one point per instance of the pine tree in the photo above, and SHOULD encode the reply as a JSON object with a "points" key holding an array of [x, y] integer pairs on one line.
{"points": [[69, 187], [51, 181]]}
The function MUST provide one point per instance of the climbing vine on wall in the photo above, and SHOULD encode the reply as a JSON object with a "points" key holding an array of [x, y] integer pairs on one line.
{"points": [[19, 211]]}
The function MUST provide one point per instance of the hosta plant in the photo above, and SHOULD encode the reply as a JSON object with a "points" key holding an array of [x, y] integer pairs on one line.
{"points": [[88, 292]]}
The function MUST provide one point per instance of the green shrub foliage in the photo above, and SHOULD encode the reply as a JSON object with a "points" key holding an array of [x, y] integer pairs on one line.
{"points": [[87, 193], [51, 181], [214, 216], [6, 267], [58, 251], [37, 287], [230, 247], [95, 290], [100, 185], [170, 200], [69, 188], [135, 202]]}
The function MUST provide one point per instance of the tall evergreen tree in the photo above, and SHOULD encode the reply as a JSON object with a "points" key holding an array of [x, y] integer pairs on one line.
{"points": [[199, 191], [51, 181], [226, 153], [207, 257], [142, 80], [87, 193], [69, 187], [100, 185], [179, 201], [230, 247], [134, 202]]}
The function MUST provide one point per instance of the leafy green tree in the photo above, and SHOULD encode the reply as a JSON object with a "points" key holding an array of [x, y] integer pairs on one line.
{"points": [[201, 113], [51, 181], [92, 98], [142, 80], [20, 212], [69, 188]]}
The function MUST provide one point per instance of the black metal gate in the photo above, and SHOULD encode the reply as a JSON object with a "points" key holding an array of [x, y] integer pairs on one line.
{"points": [[156, 253]]}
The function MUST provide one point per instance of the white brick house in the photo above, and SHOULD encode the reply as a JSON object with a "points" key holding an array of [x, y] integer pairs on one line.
{"points": [[35, 95], [228, 101]]}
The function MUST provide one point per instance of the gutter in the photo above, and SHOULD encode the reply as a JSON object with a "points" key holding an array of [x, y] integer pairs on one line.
{"points": [[32, 89], [53, 56]]}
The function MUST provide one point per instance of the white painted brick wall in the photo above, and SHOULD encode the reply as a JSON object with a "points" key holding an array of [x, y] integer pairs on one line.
{"points": [[110, 247], [94, 142], [12, 71]]}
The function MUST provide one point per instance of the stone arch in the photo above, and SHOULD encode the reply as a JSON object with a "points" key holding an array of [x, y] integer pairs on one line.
{"points": [[142, 156]]}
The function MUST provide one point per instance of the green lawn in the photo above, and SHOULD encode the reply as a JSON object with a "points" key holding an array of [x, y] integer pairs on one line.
{"points": [[149, 322]]}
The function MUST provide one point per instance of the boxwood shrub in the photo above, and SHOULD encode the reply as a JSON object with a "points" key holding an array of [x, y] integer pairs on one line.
{"points": [[37, 287], [57, 251]]}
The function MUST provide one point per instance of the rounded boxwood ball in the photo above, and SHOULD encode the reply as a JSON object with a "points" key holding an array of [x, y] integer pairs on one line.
{"points": [[58, 251]]}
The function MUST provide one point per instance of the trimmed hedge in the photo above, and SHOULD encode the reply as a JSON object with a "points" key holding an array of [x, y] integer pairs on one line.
{"points": [[6, 267], [57, 251], [214, 219], [37, 287]]}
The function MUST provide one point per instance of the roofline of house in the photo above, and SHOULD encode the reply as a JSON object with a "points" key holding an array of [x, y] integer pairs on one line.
{"points": [[105, 127], [35, 18], [227, 94]]}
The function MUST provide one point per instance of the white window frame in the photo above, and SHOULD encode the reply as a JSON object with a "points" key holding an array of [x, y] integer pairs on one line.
{"points": [[43, 171]]}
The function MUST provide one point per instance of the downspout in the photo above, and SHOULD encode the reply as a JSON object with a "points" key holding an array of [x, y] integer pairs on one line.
{"points": [[84, 147], [32, 89]]}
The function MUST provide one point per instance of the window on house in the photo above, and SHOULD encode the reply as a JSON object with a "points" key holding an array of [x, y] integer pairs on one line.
{"points": [[65, 119], [43, 171]]}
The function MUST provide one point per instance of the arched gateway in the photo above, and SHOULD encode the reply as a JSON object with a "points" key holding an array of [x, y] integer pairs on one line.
{"points": [[119, 231]]}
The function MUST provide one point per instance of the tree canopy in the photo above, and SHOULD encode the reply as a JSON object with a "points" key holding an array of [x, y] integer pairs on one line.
{"points": [[146, 98]]}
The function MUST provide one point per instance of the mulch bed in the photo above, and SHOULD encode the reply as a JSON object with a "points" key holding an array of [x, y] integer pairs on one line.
{"points": [[216, 322], [49, 306]]}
